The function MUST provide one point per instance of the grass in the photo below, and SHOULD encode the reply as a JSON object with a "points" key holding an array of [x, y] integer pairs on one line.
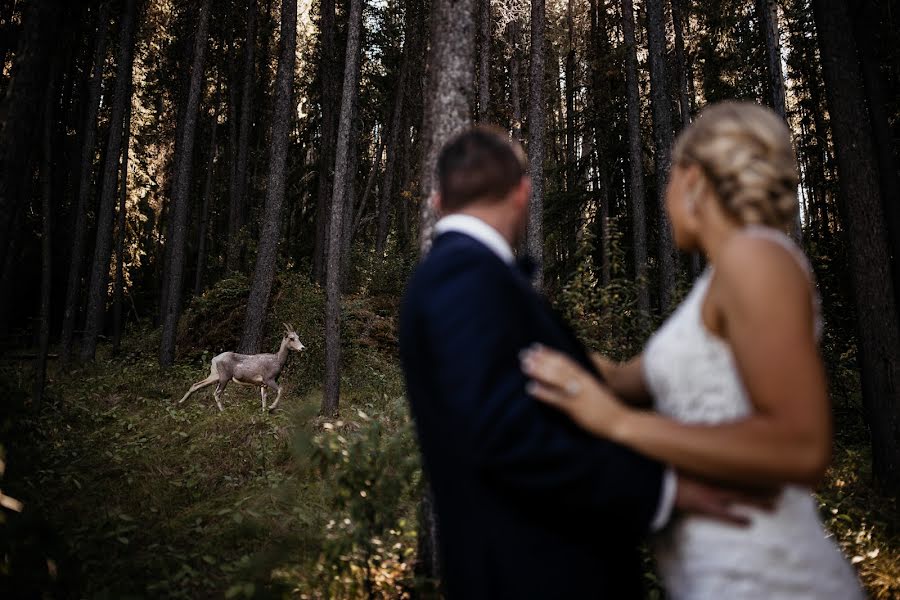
{"points": [[130, 495]]}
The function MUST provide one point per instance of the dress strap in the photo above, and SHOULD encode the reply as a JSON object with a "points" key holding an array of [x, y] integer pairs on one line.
{"points": [[782, 239]]}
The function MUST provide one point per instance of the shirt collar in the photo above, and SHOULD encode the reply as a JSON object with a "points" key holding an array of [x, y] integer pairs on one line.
{"points": [[478, 230]]}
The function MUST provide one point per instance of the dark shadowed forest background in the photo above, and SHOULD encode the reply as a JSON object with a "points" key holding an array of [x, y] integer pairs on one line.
{"points": [[178, 178]]}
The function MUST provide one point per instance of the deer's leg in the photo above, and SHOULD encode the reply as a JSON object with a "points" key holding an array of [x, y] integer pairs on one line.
{"points": [[220, 389], [274, 385], [262, 393], [200, 384]]}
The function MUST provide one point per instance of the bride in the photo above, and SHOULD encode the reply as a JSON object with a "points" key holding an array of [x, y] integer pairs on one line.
{"points": [[734, 374]]}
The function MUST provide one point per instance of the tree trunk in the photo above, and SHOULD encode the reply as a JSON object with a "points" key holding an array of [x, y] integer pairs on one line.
{"points": [[515, 69], [447, 113], [767, 13], [662, 137], [864, 22], [121, 226], [571, 163], [270, 232], [386, 205], [335, 231], [238, 202], [681, 78], [40, 363], [97, 292], [204, 211], [329, 99], [85, 179], [181, 185], [869, 258], [536, 126], [635, 161], [448, 106], [484, 73]]}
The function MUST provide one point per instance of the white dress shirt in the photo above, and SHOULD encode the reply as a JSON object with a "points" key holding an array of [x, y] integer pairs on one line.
{"points": [[490, 237]]}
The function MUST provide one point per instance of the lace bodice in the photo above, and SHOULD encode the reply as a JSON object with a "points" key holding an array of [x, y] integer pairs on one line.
{"points": [[783, 554]]}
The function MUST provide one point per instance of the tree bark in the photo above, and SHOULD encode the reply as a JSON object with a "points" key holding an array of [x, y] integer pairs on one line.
{"points": [[204, 211], [571, 162], [662, 137], [40, 363], [336, 227], [515, 68], [329, 92], [635, 161], [484, 72], [864, 22], [386, 205], [121, 227], [270, 233], [184, 155], [42, 20], [237, 200], [681, 78], [536, 125], [97, 292], [767, 13], [448, 106], [869, 257], [85, 179]]}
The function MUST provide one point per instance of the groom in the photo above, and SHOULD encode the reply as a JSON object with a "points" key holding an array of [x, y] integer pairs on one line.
{"points": [[528, 505]]}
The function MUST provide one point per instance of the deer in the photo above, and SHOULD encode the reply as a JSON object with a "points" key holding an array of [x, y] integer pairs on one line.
{"points": [[260, 370]]}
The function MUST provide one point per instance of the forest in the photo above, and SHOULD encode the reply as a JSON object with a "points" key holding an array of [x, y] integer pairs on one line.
{"points": [[183, 178]]}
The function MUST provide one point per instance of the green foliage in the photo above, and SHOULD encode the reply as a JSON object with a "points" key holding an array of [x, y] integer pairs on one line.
{"points": [[606, 317]]}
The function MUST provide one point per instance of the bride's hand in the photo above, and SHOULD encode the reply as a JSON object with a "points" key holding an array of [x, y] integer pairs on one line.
{"points": [[559, 381]]}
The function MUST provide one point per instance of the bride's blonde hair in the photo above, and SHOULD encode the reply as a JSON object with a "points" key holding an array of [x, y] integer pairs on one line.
{"points": [[745, 152]]}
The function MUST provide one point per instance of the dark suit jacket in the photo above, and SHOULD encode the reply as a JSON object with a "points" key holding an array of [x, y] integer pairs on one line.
{"points": [[528, 505]]}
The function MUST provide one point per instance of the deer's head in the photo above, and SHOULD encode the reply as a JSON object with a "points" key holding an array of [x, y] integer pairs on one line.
{"points": [[293, 340]]}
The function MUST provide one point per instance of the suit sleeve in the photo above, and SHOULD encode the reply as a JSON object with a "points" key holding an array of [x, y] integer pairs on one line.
{"points": [[476, 327]]}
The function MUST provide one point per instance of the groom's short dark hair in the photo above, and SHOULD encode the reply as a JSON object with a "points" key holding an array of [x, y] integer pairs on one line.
{"points": [[479, 164]]}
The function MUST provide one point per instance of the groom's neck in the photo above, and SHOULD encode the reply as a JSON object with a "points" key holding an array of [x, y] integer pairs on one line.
{"points": [[497, 217]]}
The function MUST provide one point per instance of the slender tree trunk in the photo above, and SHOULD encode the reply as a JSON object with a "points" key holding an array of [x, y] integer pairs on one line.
{"points": [[97, 292], [869, 257], [85, 179], [767, 13], [238, 207], [329, 92], [484, 72], [635, 161], [536, 125], [515, 69], [37, 38], [204, 211], [385, 207], [270, 233], [181, 189], [662, 137], [681, 76], [40, 364], [333, 275], [121, 226], [571, 162]]}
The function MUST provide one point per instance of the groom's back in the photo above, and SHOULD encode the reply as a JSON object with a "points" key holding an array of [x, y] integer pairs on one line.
{"points": [[528, 506]]}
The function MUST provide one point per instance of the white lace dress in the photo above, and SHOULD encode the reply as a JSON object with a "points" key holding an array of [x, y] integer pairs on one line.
{"points": [[783, 554]]}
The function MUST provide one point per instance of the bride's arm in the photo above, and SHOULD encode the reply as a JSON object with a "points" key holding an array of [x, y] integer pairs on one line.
{"points": [[625, 379], [764, 303]]}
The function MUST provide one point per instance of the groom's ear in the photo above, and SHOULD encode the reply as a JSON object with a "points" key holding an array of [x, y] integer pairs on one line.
{"points": [[437, 204], [522, 192]]}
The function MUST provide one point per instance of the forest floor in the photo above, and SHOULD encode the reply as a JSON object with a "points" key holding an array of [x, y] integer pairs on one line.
{"points": [[130, 495]]}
